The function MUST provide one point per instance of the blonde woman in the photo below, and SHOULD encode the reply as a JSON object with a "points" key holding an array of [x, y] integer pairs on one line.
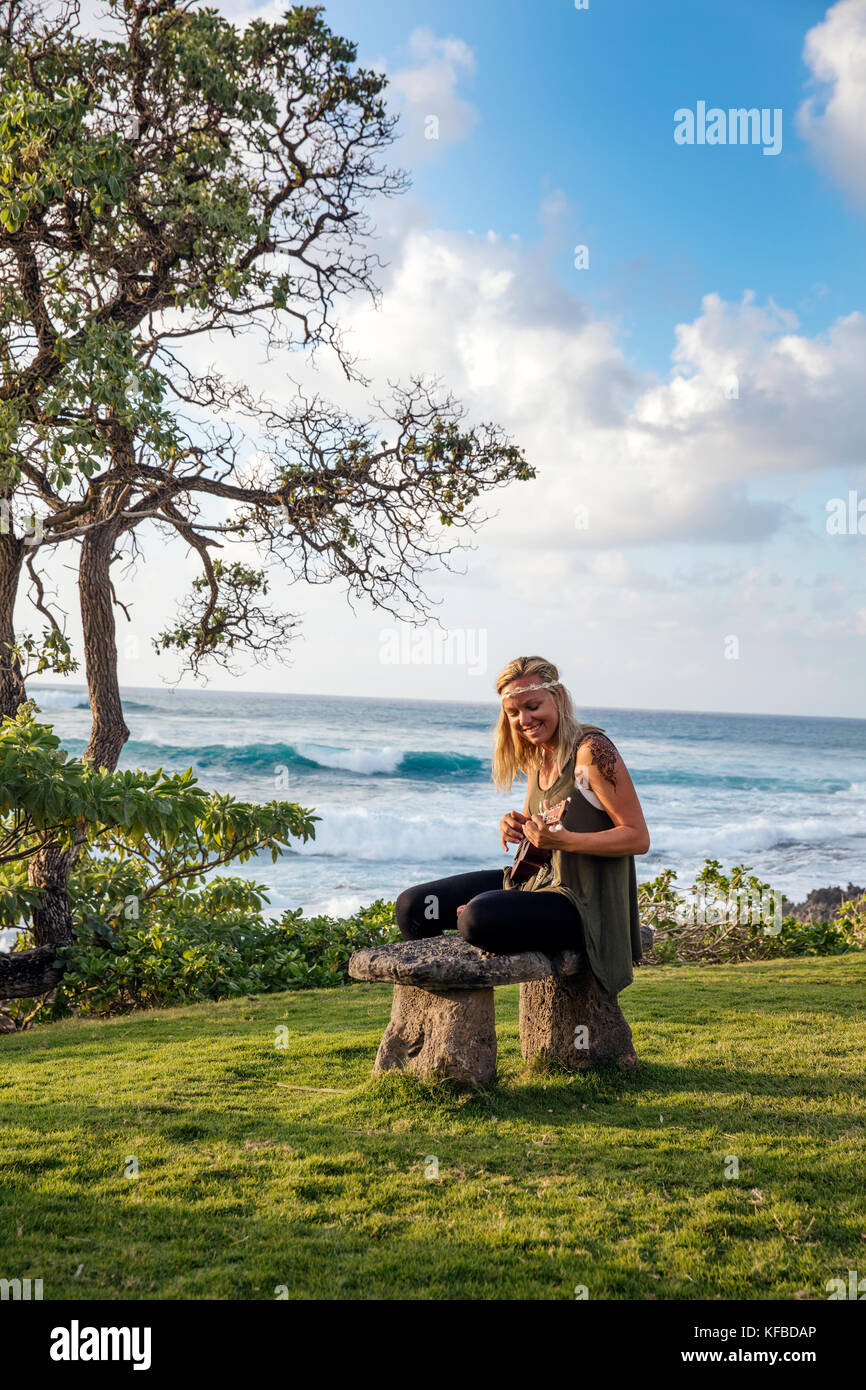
{"points": [[584, 892]]}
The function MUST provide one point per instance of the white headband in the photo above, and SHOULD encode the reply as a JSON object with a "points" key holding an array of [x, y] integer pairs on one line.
{"points": [[525, 689]]}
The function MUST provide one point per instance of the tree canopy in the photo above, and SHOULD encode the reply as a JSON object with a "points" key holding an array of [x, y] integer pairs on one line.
{"points": [[179, 177]]}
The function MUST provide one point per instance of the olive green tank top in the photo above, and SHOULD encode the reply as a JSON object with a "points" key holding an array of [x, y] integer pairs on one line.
{"points": [[602, 888]]}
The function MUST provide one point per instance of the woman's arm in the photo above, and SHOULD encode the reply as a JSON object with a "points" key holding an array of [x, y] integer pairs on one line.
{"points": [[609, 778], [511, 825]]}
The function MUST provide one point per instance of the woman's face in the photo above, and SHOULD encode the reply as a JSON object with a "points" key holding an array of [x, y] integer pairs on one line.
{"points": [[535, 715]]}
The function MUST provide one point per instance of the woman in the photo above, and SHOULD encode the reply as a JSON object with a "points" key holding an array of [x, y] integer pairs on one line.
{"points": [[586, 894]]}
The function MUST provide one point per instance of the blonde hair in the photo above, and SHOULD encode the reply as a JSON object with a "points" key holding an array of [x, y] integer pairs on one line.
{"points": [[512, 753]]}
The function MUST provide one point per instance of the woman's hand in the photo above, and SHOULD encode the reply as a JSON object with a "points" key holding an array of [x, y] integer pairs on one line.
{"points": [[511, 828], [542, 835]]}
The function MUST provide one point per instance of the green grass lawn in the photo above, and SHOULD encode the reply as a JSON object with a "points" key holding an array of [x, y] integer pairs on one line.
{"points": [[262, 1166]]}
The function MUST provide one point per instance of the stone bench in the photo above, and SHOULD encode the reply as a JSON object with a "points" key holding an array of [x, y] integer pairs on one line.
{"points": [[442, 1017]]}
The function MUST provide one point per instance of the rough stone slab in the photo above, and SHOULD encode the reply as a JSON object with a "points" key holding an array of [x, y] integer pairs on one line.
{"points": [[448, 1033], [571, 1023], [450, 963]]}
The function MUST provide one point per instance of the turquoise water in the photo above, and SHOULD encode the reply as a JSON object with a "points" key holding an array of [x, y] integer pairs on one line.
{"points": [[404, 791]]}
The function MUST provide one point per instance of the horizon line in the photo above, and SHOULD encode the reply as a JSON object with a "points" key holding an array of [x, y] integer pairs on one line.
{"points": [[411, 699]]}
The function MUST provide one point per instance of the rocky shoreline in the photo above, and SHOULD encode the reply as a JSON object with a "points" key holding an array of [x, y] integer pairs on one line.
{"points": [[822, 904]]}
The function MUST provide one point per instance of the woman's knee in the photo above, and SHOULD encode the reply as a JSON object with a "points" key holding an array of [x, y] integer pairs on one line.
{"points": [[407, 910], [477, 918], [417, 911]]}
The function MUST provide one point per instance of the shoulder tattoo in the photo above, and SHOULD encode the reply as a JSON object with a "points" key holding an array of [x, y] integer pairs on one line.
{"points": [[603, 755]]}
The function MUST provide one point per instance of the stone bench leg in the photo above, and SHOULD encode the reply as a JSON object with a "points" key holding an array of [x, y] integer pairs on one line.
{"points": [[573, 1024], [451, 1032]]}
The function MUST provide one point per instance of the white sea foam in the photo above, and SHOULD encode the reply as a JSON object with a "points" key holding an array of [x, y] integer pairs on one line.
{"points": [[59, 699], [361, 833], [341, 904], [368, 761], [746, 835], [355, 832]]}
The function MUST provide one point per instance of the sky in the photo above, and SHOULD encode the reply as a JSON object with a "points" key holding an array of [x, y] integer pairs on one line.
{"points": [[673, 332]]}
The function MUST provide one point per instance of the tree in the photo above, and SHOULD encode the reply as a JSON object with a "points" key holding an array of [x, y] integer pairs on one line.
{"points": [[190, 178], [163, 825]]}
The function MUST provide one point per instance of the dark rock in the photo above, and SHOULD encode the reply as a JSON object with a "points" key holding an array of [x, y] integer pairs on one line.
{"points": [[450, 963], [822, 904], [571, 1023], [442, 1016], [448, 1033]]}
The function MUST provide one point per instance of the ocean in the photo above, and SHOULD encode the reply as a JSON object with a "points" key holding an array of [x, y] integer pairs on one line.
{"points": [[404, 792]]}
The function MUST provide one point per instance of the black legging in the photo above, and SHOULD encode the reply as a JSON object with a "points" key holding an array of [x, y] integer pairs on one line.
{"points": [[494, 918]]}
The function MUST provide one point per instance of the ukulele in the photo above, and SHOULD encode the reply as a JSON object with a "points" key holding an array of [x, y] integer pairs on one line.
{"points": [[529, 858]]}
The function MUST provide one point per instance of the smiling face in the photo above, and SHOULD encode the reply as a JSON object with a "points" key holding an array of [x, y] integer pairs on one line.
{"points": [[534, 716]]}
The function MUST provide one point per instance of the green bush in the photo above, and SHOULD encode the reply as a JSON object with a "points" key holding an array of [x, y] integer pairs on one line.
{"points": [[326, 943], [735, 916], [207, 944], [851, 919], [815, 938]]}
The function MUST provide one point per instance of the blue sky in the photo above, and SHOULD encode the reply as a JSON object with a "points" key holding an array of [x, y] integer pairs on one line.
{"points": [[582, 102], [697, 391]]}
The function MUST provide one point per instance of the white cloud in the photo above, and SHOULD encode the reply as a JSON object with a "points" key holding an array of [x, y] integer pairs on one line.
{"points": [[433, 113], [833, 120], [652, 460], [655, 461]]}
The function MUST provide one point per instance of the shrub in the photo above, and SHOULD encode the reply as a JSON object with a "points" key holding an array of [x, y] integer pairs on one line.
{"points": [[736, 917], [208, 943], [326, 943]]}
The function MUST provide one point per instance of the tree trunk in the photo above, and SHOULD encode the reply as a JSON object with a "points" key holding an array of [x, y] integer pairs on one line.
{"points": [[28, 973], [49, 872], [108, 731], [12, 692]]}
